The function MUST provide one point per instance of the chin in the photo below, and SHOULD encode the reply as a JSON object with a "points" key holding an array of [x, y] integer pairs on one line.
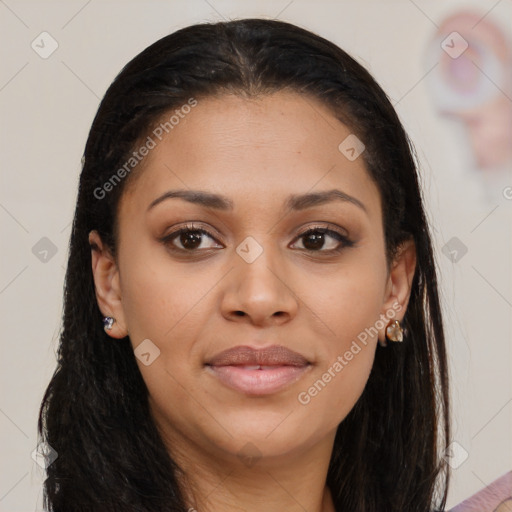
{"points": [[268, 435]]}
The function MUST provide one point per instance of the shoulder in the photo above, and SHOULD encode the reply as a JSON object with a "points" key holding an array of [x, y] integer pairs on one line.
{"points": [[496, 497]]}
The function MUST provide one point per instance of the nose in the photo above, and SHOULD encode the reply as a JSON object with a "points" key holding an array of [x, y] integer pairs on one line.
{"points": [[260, 292]]}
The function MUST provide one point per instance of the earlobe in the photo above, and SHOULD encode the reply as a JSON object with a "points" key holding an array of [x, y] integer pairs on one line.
{"points": [[106, 281], [399, 285]]}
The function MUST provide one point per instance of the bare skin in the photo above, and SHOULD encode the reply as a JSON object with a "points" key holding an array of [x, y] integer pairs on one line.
{"points": [[241, 451]]}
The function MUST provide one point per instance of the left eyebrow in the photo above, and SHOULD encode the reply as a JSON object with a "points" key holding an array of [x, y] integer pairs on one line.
{"points": [[293, 202], [303, 201]]}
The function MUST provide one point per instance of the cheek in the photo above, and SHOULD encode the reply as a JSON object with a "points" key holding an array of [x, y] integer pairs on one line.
{"points": [[171, 306], [159, 298], [333, 393], [349, 307], [349, 302], [168, 307], [345, 357]]}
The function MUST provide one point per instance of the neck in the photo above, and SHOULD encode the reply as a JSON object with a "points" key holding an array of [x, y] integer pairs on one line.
{"points": [[233, 483]]}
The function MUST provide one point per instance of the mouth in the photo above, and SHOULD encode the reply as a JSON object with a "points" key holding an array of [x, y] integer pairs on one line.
{"points": [[258, 372]]}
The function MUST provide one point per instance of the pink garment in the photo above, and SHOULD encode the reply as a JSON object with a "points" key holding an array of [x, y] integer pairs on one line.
{"points": [[496, 497]]}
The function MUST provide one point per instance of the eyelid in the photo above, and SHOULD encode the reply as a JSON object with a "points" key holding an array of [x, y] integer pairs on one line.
{"points": [[326, 226], [342, 238], [333, 231], [189, 226], [193, 225]]}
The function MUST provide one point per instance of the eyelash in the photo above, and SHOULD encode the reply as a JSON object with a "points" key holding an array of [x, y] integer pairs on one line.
{"points": [[344, 241]]}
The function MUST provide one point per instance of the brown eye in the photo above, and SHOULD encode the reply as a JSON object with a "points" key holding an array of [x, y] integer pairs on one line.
{"points": [[189, 239], [324, 240]]}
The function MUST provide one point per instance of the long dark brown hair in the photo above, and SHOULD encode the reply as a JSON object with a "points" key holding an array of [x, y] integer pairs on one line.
{"points": [[388, 451]]}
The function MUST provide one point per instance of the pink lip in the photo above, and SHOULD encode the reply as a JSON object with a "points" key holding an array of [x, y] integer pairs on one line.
{"points": [[258, 371], [275, 355], [257, 382]]}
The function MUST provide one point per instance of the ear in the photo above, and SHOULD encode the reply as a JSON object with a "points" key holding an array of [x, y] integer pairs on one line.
{"points": [[106, 281], [398, 286]]}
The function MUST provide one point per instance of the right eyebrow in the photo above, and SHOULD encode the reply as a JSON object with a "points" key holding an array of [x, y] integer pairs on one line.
{"points": [[206, 199]]}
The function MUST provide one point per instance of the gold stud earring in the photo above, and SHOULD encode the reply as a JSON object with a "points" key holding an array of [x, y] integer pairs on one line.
{"points": [[394, 332]]}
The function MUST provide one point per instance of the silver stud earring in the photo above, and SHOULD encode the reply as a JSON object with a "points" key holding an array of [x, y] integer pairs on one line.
{"points": [[108, 322]]}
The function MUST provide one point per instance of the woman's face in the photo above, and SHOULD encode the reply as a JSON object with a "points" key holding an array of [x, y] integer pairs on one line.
{"points": [[252, 280]]}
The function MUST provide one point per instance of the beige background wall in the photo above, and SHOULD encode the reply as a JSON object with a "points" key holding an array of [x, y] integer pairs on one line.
{"points": [[47, 106]]}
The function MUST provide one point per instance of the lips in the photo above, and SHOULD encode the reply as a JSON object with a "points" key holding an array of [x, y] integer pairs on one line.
{"points": [[276, 355], [258, 371]]}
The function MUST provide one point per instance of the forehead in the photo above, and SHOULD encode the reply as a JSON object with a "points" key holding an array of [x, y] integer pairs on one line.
{"points": [[252, 150]]}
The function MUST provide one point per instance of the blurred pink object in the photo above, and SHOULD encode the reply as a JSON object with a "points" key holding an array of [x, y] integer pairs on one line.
{"points": [[496, 497], [473, 83]]}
